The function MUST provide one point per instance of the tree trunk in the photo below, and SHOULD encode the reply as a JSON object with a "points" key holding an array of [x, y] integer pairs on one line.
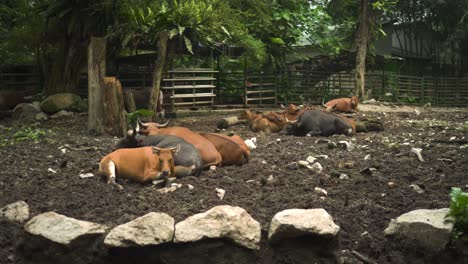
{"points": [[158, 70], [114, 115], [64, 75], [96, 73], [362, 39]]}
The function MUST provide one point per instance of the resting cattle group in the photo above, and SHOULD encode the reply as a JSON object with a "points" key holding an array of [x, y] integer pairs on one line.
{"points": [[153, 151]]}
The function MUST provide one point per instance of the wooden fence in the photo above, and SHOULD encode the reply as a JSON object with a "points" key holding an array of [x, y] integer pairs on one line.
{"points": [[312, 87], [19, 81], [298, 86]]}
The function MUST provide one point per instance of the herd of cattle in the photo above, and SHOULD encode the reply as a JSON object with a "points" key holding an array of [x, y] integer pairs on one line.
{"points": [[155, 152]]}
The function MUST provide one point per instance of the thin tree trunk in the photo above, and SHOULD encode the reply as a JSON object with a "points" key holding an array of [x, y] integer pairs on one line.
{"points": [[158, 70], [362, 39], [96, 73]]}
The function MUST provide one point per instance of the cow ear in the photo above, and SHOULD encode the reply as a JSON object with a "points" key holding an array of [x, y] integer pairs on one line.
{"points": [[156, 150], [174, 150]]}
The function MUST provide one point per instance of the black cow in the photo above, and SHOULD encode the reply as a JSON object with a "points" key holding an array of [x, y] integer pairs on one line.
{"points": [[318, 123], [187, 160]]}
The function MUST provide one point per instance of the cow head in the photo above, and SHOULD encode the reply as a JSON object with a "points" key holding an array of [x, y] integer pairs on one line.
{"points": [[165, 160], [149, 128], [354, 101], [246, 114], [292, 109]]}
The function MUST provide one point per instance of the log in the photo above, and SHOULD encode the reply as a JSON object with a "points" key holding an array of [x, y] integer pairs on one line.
{"points": [[113, 103], [369, 126], [96, 73], [229, 121]]}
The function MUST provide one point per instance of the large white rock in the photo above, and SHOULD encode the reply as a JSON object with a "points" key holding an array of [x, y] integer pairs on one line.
{"points": [[15, 212], [428, 228], [61, 229], [224, 221], [150, 229], [298, 222]]}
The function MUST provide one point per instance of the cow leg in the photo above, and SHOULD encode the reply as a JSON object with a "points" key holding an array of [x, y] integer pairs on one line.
{"points": [[314, 133], [111, 175]]}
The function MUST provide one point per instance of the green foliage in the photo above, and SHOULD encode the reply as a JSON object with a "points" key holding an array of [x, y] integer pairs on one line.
{"points": [[133, 116], [459, 211], [24, 133]]}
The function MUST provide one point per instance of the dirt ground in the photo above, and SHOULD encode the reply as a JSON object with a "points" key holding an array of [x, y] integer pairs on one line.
{"points": [[38, 172]]}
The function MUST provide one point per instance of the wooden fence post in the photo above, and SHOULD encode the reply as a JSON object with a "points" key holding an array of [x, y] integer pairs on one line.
{"points": [[96, 73]]}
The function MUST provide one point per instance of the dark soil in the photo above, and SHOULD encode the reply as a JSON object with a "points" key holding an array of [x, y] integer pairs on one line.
{"points": [[362, 205]]}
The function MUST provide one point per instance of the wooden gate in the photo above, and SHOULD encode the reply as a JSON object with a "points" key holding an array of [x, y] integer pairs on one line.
{"points": [[260, 89], [189, 87]]}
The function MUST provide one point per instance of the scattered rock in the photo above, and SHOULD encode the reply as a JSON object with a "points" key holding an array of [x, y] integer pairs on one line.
{"points": [[417, 151], [41, 117], [343, 176], [63, 101], [86, 175], [303, 163], [320, 191], [323, 156], [428, 228], [61, 229], [316, 168], [220, 192], [368, 171], [371, 101], [292, 166], [417, 188], [224, 221], [61, 114], [150, 229], [391, 184], [251, 143], [367, 157], [25, 112], [167, 189], [264, 162], [311, 159], [298, 222], [15, 212], [190, 186], [271, 179], [349, 146]]}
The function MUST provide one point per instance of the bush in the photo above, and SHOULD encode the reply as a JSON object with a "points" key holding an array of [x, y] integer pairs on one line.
{"points": [[459, 210]]}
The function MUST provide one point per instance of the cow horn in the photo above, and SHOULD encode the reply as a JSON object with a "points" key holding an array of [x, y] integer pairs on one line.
{"points": [[282, 106], [290, 122], [139, 123], [163, 125], [323, 103]]}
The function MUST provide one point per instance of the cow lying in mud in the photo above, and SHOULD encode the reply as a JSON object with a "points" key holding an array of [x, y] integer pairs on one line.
{"points": [[271, 121], [347, 105], [187, 161], [210, 156], [257, 122], [319, 123], [138, 164], [233, 149]]}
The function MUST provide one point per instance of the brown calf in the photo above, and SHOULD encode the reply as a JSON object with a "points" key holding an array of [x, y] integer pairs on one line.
{"points": [[232, 151], [210, 156], [138, 164], [348, 105], [257, 123]]}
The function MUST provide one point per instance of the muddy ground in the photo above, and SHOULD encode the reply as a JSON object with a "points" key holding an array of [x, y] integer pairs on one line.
{"points": [[38, 172]]}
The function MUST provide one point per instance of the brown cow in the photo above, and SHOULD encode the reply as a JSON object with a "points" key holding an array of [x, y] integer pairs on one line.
{"points": [[257, 123], [138, 164], [208, 152], [232, 150], [348, 105], [276, 120]]}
